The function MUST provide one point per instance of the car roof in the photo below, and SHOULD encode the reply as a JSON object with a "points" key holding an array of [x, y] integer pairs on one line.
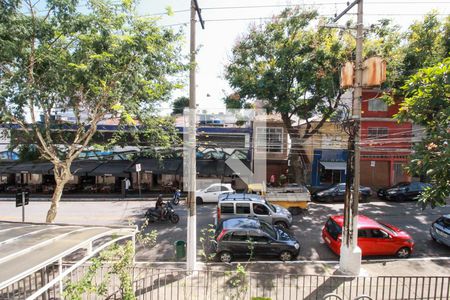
{"points": [[240, 196], [363, 221], [241, 223], [219, 184]]}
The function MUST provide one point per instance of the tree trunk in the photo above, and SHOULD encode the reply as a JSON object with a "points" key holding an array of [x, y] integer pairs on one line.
{"points": [[62, 175], [297, 156]]}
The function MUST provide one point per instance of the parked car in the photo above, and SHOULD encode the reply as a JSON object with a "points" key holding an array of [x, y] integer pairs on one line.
{"points": [[250, 236], [403, 191], [336, 193], [440, 230], [374, 238], [212, 192], [251, 205]]}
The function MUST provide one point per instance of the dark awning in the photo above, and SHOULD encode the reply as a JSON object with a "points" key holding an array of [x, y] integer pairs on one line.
{"points": [[207, 167], [149, 165], [5, 166], [118, 168], [83, 167], [31, 168], [334, 165], [171, 166]]}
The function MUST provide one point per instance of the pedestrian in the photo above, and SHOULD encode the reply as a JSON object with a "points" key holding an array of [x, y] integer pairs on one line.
{"points": [[127, 184], [272, 180]]}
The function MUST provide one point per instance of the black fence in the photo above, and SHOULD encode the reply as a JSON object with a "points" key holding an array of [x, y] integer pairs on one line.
{"points": [[162, 284]]}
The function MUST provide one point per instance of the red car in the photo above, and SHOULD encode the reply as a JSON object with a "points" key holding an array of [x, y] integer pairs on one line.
{"points": [[374, 238]]}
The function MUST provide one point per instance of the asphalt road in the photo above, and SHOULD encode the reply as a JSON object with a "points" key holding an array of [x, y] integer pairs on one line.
{"points": [[306, 227]]}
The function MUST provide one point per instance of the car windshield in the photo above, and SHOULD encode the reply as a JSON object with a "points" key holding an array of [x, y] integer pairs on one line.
{"points": [[387, 228], [444, 222], [269, 230], [400, 184], [272, 207]]}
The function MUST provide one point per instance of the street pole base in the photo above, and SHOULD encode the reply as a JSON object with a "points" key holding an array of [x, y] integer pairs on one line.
{"points": [[350, 261]]}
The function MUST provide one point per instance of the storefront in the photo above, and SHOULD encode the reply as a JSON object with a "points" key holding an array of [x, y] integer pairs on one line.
{"points": [[328, 166]]}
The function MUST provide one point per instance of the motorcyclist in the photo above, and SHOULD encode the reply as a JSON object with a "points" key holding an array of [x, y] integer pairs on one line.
{"points": [[159, 206]]}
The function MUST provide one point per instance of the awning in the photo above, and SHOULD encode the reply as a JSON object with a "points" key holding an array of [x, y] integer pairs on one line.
{"points": [[5, 167], [118, 168], [148, 165], [334, 165], [31, 168], [29, 247], [83, 167]]}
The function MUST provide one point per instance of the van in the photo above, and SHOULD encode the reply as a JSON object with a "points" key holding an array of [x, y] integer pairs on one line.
{"points": [[251, 205]]}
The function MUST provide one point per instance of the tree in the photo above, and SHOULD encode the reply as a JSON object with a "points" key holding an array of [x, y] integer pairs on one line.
{"points": [[102, 62], [294, 69], [427, 103], [179, 105], [424, 44]]}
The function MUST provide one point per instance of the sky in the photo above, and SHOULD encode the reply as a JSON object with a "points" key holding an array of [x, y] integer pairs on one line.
{"points": [[227, 20]]}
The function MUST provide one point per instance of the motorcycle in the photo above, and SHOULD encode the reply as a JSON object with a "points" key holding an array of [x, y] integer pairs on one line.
{"points": [[168, 214], [176, 197]]}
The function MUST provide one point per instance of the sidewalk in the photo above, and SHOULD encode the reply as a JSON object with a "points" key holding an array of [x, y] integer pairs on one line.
{"points": [[436, 266], [91, 197]]}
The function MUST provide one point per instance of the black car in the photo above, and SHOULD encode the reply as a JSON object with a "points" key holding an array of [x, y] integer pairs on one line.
{"points": [[251, 237], [403, 191], [336, 193]]}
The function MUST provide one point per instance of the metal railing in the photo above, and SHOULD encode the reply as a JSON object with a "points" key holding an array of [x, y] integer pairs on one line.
{"points": [[161, 284], [179, 284]]}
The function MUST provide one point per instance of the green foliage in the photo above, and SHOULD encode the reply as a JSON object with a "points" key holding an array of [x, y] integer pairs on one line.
{"points": [[100, 63], [179, 105], [118, 258], [206, 238], [427, 43], [103, 62], [292, 67], [384, 39], [427, 103], [238, 281], [145, 237], [28, 152]]}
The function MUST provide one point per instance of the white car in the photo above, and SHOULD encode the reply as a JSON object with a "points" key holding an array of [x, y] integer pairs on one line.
{"points": [[212, 192]]}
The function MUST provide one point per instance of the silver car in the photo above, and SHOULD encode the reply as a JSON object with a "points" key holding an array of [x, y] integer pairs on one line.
{"points": [[250, 205], [440, 230]]}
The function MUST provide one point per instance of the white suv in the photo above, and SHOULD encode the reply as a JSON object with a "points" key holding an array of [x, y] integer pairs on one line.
{"points": [[212, 192]]}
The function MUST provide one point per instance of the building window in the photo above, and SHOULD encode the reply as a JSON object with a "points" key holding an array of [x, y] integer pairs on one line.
{"points": [[377, 105], [273, 137], [377, 132]]}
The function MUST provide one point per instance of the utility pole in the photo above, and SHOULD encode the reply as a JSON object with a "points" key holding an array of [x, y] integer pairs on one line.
{"points": [[350, 259], [191, 250]]}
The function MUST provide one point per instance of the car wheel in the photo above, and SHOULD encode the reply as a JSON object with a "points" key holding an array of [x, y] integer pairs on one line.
{"points": [[281, 224], [199, 200], [286, 256], [400, 198], [225, 257], [328, 199], [404, 252]]}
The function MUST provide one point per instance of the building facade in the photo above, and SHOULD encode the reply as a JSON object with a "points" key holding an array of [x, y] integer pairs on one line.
{"points": [[385, 143]]}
